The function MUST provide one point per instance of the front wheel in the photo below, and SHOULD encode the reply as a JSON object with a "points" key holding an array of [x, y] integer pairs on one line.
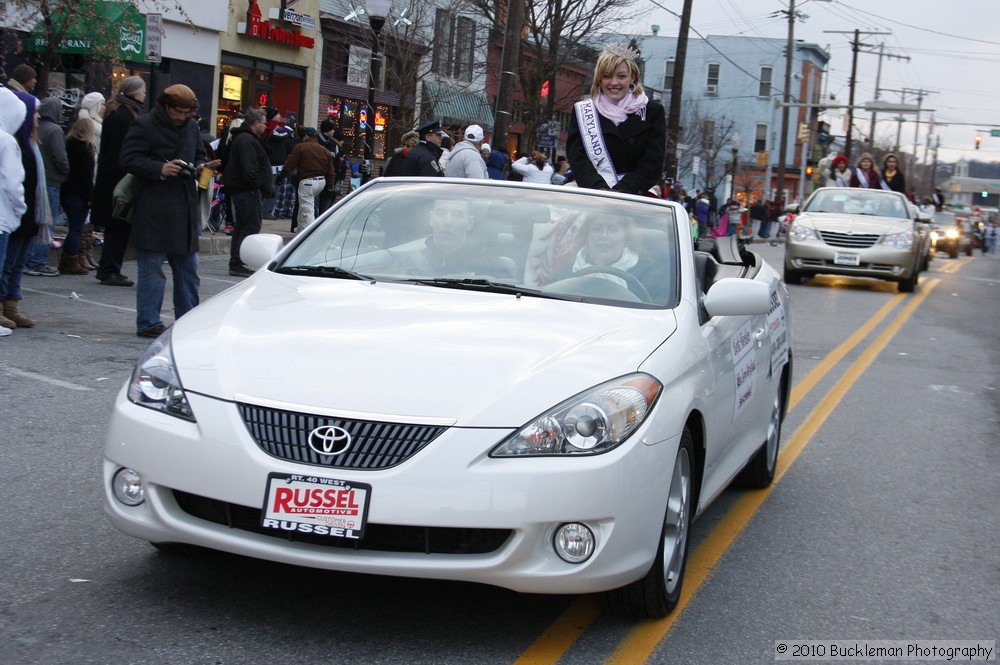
{"points": [[759, 472], [656, 594], [909, 285], [792, 276]]}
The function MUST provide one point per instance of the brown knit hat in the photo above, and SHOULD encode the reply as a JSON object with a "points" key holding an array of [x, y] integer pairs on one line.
{"points": [[179, 96]]}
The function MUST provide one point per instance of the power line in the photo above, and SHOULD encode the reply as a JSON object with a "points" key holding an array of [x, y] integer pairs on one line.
{"points": [[917, 27]]}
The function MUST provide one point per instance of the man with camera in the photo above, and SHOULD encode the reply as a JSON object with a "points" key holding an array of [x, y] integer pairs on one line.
{"points": [[164, 150]]}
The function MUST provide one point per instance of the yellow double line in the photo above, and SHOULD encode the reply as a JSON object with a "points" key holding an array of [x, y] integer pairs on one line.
{"points": [[643, 639]]}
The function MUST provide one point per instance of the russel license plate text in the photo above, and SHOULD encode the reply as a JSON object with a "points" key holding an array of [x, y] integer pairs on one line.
{"points": [[311, 505]]}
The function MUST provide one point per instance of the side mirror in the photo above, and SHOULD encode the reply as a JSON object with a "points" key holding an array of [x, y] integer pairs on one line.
{"points": [[259, 249], [923, 217], [735, 296]]}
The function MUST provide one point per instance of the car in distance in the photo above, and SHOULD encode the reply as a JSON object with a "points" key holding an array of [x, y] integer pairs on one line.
{"points": [[951, 235], [529, 386], [858, 232]]}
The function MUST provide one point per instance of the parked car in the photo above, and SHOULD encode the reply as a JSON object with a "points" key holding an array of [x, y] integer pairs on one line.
{"points": [[529, 386], [858, 232], [951, 236]]}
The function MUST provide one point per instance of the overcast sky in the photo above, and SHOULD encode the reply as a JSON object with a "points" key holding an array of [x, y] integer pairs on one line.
{"points": [[953, 50]]}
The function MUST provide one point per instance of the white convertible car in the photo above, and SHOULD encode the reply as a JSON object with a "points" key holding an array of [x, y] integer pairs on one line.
{"points": [[529, 386]]}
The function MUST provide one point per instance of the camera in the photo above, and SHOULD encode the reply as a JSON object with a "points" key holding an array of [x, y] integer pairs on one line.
{"points": [[187, 171]]}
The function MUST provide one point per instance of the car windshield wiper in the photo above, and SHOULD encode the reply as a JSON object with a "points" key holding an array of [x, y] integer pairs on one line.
{"points": [[323, 271], [491, 286]]}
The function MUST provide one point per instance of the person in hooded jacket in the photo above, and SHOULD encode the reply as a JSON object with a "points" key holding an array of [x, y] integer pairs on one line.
{"points": [[52, 146], [496, 163], [92, 106], [121, 110], [12, 205], [36, 212], [865, 175]]}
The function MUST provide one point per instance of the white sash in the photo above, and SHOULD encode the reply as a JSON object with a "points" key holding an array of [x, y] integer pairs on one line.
{"points": [[885, 184], [589, 123], [862, 178]]}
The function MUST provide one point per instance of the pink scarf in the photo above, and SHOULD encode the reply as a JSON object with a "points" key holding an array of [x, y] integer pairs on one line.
{"points": [[616, 112]]}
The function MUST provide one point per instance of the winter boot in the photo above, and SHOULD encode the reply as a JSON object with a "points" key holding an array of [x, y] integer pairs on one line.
{"points": [[11, 308], [4, 321], [70, 265], [86, 244]]}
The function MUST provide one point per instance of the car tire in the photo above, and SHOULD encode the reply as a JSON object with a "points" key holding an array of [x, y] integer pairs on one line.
{"points": [[759, 472], [792, 276], [656, 594], [909, 285], [953, 253], [968, 252]]}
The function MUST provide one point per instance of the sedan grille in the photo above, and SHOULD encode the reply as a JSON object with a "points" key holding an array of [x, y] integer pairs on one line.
{"points": [[378, 537], [855, 240], [285, 435]]}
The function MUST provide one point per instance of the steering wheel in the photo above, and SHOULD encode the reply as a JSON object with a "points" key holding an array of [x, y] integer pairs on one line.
{"points": [[633, 284]]}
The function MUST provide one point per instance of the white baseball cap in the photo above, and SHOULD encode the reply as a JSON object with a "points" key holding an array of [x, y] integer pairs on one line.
{"points": [[474, 133]]}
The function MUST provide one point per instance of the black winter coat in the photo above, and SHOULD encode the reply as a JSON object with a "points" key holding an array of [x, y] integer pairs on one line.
{"points": [[637, 148], [249, 169], [109, 170], [80, 181], [422, 160], [29, 226], [166, 218]]}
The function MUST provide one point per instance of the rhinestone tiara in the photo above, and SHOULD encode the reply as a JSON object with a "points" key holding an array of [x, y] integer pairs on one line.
{"points": [[623, 51]]}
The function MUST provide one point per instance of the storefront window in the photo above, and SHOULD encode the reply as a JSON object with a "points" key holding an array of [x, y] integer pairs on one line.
{"points": [[345, 113]]}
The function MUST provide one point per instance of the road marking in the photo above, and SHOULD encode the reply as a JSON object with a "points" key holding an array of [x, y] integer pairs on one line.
{"points": [[120, 308], [13, 371], [642, 640]]}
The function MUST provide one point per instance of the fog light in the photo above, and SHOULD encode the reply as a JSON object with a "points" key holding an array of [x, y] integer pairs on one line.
{"points": [[797, 263], [574, 543], [127, 487]]}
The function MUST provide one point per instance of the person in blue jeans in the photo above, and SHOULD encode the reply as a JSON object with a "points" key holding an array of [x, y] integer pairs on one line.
{"points": [[53, 149], [163, 148]]}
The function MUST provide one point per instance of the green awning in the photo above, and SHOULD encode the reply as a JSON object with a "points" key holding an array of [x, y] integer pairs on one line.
{"points": [[102, 28], [457, 107]]}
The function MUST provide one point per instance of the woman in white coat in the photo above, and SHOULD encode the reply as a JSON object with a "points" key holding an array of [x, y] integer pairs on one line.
{"points": [[92, 106], [535, 168]]}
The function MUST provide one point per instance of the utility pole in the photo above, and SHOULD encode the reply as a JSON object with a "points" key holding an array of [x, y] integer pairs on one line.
{"points": [[676, 90], [786, 98], [508, 72], [855, 47], [878, 82]]}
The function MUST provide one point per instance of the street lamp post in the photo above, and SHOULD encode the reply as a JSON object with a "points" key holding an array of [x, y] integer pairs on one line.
{"points": [[377, 11]]}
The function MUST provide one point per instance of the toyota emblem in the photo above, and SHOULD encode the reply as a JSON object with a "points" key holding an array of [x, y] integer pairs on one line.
{"points": [[329, 440]]}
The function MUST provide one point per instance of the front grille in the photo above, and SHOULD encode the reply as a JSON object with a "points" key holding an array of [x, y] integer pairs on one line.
{"points": [[378, 537], [855, 240], [285, 435]]}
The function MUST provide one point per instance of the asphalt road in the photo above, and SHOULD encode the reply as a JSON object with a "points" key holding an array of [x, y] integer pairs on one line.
{"points": [[883, 524]]}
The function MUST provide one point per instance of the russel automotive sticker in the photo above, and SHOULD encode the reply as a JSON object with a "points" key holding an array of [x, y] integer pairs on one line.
{"points": [[745, 360], [777, 327], [312, 505]]}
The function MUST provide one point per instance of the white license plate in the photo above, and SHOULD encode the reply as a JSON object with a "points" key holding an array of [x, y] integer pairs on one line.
{"points": [[314, 505], [847, 259]]}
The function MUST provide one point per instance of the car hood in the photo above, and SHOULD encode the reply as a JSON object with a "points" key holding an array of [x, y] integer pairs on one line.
{"points": [[406, 352], [852, 223]]}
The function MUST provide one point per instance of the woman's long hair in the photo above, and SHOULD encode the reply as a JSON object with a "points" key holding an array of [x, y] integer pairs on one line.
{"points": [[83, 130]]}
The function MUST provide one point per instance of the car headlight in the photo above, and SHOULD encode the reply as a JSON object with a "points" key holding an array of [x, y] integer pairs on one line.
{"points": [[902, 240], [952, 233], [590, 423], [155, 383], [798, 232]]}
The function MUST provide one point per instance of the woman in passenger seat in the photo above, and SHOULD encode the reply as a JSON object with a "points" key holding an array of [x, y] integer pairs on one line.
{"points": [[609, 241]]}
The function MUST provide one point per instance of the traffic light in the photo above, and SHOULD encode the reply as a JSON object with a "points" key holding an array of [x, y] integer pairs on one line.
{"points": [[979, 139]]}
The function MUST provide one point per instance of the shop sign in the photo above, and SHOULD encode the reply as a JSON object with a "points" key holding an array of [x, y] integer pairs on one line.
{"points": [[255, 27], [232, 87], [357, 66], [301, 20]]}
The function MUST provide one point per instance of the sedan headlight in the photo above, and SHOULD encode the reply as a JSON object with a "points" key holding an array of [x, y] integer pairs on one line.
{"points": [[798, 233], [902, 240], [952, 233], [590, 423], [155, 383]]}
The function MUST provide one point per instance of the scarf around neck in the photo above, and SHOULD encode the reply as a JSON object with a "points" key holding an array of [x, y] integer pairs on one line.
{"points": [[616, 112]]}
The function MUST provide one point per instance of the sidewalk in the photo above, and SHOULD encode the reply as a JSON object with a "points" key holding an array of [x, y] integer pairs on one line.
{"points": [[219, 242]]}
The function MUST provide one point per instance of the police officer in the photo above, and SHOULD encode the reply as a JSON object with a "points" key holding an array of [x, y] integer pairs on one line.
{"points": [[422, 160]]}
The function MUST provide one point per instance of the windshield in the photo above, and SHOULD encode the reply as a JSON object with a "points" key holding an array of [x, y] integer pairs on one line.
{"points": [[857, 201], [500, 238]]}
